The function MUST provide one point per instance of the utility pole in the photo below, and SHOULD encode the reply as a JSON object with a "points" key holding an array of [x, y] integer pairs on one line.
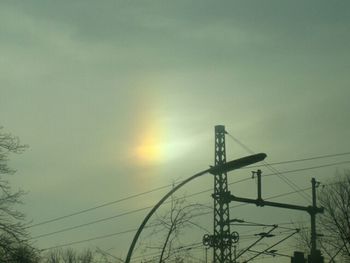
{"points": [[221, 240], [315, 254], [234, 254], [313, 217]]}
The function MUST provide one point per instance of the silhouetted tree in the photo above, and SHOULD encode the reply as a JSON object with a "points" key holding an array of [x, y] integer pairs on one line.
{"points": [[333, 226], [335, 222], [106, 257], [70, 255], [53, 256], [24, 254], [12, 230], [179, 218], [86, 256]]}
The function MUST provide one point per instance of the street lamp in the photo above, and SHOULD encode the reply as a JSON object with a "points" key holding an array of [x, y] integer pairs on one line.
{"points": [[219, 169]]}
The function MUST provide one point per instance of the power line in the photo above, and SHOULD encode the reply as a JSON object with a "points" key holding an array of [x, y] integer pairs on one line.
{"points": [[120, 215], [99, 206], [286, 180], [170, 185], [91, 223], [289, 182], [96, 238], [185, 247], [268, 198], [135, 229], [273, 254], [307, 159], [277, 243], [109, 218], [250, 224], [91, 239], [194, 194], [310, 168]]}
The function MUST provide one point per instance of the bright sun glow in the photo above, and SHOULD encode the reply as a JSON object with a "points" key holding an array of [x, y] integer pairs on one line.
{"points": [[153, 148], [149, 150], [149, 144], [157, 138]]}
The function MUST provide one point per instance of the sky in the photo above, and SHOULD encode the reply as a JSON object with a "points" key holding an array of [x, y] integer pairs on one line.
{"points": [[116, 98]]}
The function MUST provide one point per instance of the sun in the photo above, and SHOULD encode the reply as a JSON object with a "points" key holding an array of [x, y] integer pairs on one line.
{"points": [[155, 136], [156, 146], [149, 150]]}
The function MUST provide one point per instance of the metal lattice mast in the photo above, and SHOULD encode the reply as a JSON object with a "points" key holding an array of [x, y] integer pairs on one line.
{"points": [[222, 235]]}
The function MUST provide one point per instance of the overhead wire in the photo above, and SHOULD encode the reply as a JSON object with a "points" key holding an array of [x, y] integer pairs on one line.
{"points": [[307, 159], [170, 185], [249, 224], [194, 194], [95, 238], [91, 222], [279, 174], [255, 242], [185, 247], [128, 213], [98, 206], [277, 243], [273, 254], [134, 229], [311, 168], [245, 235]]}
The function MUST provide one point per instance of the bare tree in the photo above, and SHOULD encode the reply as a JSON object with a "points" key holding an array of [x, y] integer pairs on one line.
{"points": [[335, 222], [12, 230], [170, 226], [107, 257], [24, 253], [70, 255], [86, 256], [53, 256], [333, 226]]}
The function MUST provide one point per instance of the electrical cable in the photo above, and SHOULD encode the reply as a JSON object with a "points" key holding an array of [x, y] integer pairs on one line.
{"points": [[98, 206], [268, 198], [135, 229], [140, 209], [255, 242], [91, 222], [248, 223], [306, 159], [128, 213], [311, 168], [197, 193], [155, 254], [277, 243], [96, 238], [273, 254], [170, 185], [280, 175]]}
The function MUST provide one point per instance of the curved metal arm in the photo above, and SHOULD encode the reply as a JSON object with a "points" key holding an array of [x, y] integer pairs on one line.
{"points": [[145, 220], [229, 166]]}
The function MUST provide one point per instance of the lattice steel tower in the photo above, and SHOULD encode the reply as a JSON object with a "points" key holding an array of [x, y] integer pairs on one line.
{"points": [[221, 240]]}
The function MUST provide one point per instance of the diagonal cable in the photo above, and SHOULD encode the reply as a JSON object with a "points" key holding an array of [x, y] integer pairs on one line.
{"points": [[279, 174]]}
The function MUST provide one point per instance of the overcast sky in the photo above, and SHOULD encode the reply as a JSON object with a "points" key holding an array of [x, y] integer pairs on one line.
{"points": [[119, 97]]}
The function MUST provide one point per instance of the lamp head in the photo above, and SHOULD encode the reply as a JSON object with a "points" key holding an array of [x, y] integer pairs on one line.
{"points": [[238, 163]]}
